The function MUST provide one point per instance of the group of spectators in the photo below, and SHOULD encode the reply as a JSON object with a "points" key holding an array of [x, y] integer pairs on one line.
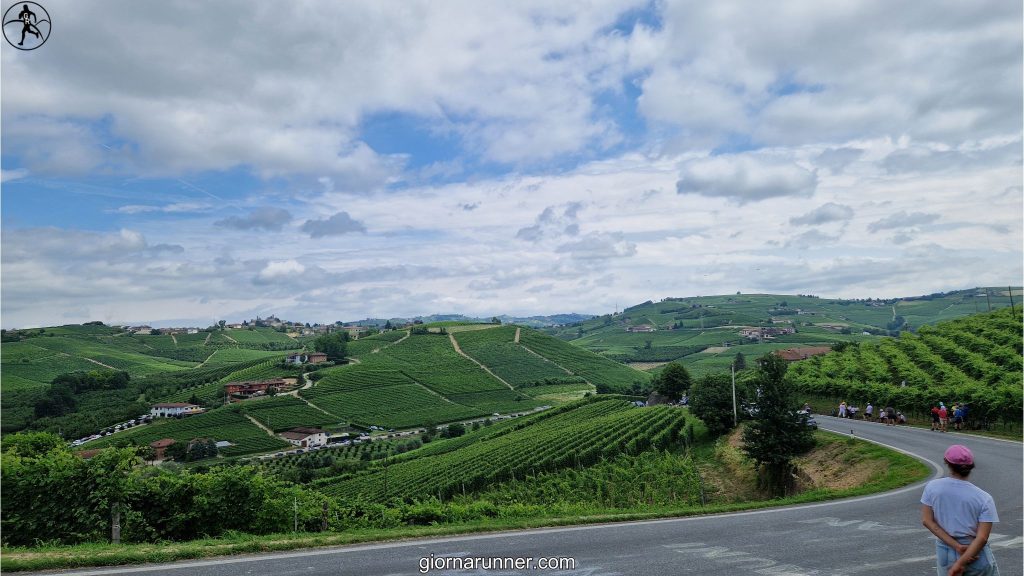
{"points": [[888, 415], [941, 416]]}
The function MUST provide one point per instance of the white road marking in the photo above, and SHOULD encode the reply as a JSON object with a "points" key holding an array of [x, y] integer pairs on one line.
{"points": [[879, 565], [751, 563]]}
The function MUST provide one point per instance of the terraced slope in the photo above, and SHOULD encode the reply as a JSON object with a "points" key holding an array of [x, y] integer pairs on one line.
{"points": [[579, 436]]}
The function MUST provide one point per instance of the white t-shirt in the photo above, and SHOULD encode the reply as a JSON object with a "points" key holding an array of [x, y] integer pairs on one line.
{"points": [[959, 506]]}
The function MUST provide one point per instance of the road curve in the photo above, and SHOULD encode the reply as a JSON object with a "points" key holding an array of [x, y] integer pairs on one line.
{"points": [[879, 534]]}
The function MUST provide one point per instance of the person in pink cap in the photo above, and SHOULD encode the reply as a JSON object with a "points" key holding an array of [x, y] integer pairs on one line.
{"points": [[960, 515]]}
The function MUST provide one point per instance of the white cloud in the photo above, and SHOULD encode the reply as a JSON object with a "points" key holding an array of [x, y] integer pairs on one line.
{"points": [[286, 93], [336, 225], [283, 269], [902, 220], [824, 214], [745, 178]]}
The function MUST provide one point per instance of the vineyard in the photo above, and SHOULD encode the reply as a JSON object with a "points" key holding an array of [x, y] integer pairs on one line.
{"points": [[496, 349], [597, 370], [367, 345], [281, 413], [392, 406], [582, 435], [222, 424], [432, 361], [977, 360]]}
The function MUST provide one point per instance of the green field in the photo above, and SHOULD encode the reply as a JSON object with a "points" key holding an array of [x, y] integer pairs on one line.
{"points": [[496, 349], [221, 424], [282, 413], [977, 359], [684, 326], [392, 406], [597, 370], [582, 435], [432, 361]]}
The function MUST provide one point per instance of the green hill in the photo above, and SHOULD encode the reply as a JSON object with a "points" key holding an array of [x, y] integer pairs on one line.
{"points": [[395, 380], [705, 332], [977, 359], [579, 435]]}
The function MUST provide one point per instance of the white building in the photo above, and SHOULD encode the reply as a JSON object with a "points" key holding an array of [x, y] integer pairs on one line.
{"points": [[305, 437], [174, 409]]}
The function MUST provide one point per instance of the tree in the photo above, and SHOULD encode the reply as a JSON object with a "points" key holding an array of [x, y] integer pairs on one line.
{"points": [[388, 326], [673, 381], [176, 451], [777, 433], [454, 430], [33, 443], [495, 320], [333, 344], [740, 362], [711, 401], [221, 323]]}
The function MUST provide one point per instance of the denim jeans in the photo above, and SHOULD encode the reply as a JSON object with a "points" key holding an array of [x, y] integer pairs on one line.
{"points": [[945, 556]]}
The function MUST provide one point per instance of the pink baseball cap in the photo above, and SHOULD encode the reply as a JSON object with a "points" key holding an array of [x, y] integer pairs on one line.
{"points": [[958, 454]]}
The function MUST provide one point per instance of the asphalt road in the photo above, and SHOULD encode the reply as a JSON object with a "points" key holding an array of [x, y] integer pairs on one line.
{"points": [[880, 534]]}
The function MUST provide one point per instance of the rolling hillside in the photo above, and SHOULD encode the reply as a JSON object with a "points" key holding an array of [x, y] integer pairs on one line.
{"points": [[977, 359], [579, 435], [395, 380], [705, 332]]}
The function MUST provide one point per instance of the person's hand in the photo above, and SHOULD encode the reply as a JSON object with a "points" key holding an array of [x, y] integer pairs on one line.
{"points": [[956, 569], [961, 549]]}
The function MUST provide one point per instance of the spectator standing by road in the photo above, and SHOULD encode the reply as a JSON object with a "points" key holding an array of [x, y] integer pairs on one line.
{"points": [[935, 418], [842, 409], [890, 416], [958, 416], [868, 411], [960, 515], [943, 416]]}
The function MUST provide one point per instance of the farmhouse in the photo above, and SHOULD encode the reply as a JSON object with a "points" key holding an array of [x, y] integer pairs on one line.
{"points": [[174, 409], [794, 354], [160, 446], [250, 388], [311, 358], [755, 333], [305, 437]]}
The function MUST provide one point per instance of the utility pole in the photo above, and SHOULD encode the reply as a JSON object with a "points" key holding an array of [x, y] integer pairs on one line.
{"points": [[115, 523], [988, 299], [735, 413], [1010, 292]]}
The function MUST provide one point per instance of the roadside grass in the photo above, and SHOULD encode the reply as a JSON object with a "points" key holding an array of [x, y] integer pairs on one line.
{"points": [[894, 470]]}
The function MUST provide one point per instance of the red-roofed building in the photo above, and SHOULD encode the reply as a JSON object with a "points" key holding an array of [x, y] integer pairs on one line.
{"points": [[251, 388], [316, 357], [161, 445]]}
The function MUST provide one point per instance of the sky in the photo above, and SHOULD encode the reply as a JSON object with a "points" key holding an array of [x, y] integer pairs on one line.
{"points": [[182, 162]]}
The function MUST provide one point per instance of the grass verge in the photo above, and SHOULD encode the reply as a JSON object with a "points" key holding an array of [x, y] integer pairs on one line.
{"points": [[894, 470]]}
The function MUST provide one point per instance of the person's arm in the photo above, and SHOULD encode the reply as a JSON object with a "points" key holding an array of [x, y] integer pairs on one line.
{"points": [[928, 519], [973, 549]]}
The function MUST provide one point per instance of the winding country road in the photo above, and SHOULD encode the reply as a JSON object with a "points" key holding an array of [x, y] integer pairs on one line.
{"points": [[880, 534]]}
